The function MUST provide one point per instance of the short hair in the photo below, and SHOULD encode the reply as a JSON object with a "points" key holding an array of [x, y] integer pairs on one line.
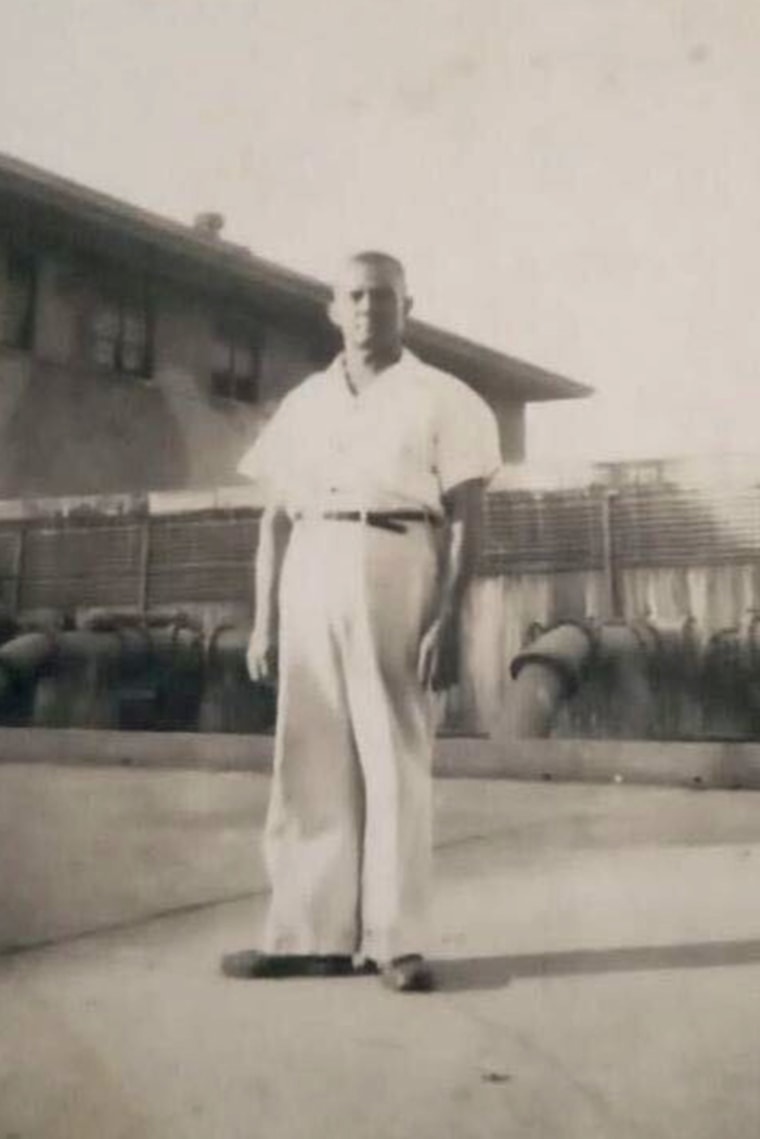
{"points": [[377, 257]]}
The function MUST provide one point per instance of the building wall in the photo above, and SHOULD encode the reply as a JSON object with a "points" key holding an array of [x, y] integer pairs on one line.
{"points": [[511, 419], [214, 431], [68, 428]]}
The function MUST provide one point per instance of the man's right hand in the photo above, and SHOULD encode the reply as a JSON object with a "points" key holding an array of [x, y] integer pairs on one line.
{"points": [[261, 658]]}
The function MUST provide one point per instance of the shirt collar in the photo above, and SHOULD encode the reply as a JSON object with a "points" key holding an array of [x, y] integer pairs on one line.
{"points": [[340, 372]]}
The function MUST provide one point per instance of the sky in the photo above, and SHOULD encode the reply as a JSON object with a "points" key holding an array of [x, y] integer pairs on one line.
{"points": [[576, 182]]}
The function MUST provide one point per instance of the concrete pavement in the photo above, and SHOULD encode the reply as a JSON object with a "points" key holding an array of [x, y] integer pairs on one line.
{"points": [[598, 950]]}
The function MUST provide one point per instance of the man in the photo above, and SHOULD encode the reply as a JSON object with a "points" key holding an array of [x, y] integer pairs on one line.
{"points": [[374, 470]]}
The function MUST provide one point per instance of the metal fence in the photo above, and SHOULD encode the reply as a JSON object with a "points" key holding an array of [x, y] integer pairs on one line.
{"points": [[136, 562], [145, 560], [618, 531]]}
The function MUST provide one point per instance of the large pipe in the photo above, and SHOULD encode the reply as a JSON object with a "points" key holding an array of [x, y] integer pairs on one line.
{"points": [[100, 620], [127, 647], [120, 671], [552, 668], [675, 670], [177, 673], [21, 660], [56, 661], [625, 654], [231, 701], [730, 680], [548, 671], [79, 687]]}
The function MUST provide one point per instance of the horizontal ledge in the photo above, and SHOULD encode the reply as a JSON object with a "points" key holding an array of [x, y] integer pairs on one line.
{"points": [[705, 764]]}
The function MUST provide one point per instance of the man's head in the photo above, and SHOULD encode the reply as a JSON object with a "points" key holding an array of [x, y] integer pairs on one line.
{"points": [[370, 303]]}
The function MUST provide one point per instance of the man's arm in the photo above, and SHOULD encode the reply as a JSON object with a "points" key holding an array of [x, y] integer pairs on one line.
{"points": [[274, 534], [438, 661]]}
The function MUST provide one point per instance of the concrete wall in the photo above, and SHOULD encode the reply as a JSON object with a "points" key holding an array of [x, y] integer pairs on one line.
{"points": [[501, 609]]}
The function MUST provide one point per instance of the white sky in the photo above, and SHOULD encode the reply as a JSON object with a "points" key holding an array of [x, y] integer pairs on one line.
{"points": [[576, 181]]}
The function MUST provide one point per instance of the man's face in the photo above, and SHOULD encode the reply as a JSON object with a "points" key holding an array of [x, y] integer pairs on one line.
{"points": [[370, 306]]}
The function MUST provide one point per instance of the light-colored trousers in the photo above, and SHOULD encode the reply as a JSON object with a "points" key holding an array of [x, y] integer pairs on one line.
{"points": [[348, 839]]}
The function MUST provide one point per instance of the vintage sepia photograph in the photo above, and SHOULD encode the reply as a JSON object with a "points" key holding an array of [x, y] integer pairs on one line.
{"points": [[379, 569]]}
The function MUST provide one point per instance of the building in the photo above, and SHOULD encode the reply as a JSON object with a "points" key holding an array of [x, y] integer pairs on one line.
{"points": [[140, 354]]}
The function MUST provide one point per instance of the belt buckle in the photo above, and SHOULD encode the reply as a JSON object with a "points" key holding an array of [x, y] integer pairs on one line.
{"points": [[385, 521]]}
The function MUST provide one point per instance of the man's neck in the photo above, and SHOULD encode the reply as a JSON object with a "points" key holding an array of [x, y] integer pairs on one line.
{"points": [[364, 367]]}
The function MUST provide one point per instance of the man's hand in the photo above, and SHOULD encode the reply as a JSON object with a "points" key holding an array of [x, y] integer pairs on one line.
{"points": [[438, 658], [261, 657], [439, 654]]}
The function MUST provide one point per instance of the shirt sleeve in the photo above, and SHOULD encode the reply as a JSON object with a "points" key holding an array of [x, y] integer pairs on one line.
{"points": [[467, 439], [266, 461]]}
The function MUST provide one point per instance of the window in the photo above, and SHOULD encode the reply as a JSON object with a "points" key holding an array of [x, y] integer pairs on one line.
{"points": [[121, 335], [236, 362], [18, 289]]}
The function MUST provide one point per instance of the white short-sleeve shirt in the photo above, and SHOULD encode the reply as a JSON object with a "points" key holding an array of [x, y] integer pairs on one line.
{"points": [[401, 443]]}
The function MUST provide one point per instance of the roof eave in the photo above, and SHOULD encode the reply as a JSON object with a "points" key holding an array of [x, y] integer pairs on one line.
{"points": [[103, 219], [489, 369]]}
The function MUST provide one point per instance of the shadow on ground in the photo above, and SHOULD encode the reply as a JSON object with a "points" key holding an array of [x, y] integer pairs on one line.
{"points": [[470, 973]]}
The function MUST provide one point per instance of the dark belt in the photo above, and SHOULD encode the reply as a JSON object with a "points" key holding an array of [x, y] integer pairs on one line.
{"points": [[382, 519]]}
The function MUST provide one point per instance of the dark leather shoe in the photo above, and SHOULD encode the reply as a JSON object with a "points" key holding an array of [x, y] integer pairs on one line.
{"points": [[409, 974], [252, 964]]}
